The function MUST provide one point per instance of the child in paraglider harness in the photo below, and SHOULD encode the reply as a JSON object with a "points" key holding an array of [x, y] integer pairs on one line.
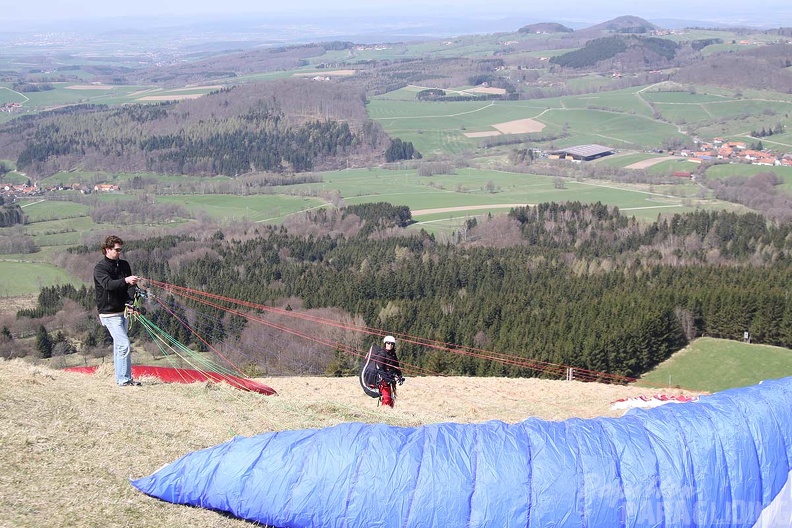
{"points": [[381, 372]]}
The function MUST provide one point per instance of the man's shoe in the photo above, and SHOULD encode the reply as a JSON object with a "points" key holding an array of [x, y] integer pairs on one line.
{"points": [[131, 383]]}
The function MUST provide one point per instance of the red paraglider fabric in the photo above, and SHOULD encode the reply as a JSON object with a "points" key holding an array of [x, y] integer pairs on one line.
{"points": [[180, 375]]}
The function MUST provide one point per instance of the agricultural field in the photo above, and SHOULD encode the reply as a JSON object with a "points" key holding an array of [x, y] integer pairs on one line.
{"points": [[726, 170], [40, 211], [620, 119], [667, 166]]}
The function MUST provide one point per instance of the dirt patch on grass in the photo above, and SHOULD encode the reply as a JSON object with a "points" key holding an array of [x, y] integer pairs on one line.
{"points": [[88, 87], [520, 126], [171, 97], [649, 162], [331, 73], [487, 90], [482, 134]]}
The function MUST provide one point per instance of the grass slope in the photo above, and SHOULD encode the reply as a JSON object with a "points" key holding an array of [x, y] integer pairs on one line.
{"points": [[27, 278], [716, 364], [71, 442]]}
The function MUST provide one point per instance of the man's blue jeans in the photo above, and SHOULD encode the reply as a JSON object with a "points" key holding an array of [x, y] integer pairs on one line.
{"points": [[117, 325]]}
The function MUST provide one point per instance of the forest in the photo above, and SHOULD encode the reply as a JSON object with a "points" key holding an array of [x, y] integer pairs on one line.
{"points": [[606, 48], [587, 287], [282, 127]]}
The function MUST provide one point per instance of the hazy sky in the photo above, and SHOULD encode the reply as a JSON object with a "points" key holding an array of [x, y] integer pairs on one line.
{"points": [[773, 13]]}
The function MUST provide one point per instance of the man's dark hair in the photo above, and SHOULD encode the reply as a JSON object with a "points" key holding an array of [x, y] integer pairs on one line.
{"points": [[110, 242]]}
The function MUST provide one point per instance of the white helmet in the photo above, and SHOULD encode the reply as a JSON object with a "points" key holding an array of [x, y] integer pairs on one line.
{"points": [[389, 339]]}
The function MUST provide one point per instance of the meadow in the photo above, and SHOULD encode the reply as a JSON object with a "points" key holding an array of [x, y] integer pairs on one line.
{"points": [[714, 365], [727, 170], [21, 278], [475, 188]]}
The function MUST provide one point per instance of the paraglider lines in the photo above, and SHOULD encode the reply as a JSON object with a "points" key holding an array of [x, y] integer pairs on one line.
{"points": [[543, 367]]}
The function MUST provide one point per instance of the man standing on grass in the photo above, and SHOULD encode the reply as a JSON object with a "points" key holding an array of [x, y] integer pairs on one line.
{"points": [[115, 287]]}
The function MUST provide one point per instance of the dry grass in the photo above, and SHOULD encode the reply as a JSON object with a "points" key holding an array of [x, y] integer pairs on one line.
{"points": [[11, 305], [71, 442]]}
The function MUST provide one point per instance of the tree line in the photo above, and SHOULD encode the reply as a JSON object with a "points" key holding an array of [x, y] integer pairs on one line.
{"points": [[11, 215]]}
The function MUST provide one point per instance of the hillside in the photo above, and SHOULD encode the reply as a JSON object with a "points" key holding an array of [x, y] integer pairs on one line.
{"points": [[623, 52], [284, 126], [71, 442], [622, 24], [765, 68], [545, 27]]}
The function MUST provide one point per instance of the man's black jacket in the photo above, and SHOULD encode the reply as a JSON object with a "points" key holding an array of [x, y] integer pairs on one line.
{"points": [[112, 291]]}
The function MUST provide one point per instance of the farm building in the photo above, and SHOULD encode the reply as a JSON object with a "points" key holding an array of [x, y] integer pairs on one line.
{"points": [[582, 152]]}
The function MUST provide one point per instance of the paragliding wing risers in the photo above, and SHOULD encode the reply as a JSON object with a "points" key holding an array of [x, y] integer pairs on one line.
{"points": [[724, 460], [368, 376]]}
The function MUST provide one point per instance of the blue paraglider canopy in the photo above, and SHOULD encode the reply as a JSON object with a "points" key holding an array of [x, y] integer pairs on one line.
{"points": [[724, 460]]}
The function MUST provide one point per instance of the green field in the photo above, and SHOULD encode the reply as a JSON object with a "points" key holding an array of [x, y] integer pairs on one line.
{"points": [[41, 210], [257, 208], [669, 166], [728, 170], [717, 364], [620, 119], [25, 278], [474, 188]]}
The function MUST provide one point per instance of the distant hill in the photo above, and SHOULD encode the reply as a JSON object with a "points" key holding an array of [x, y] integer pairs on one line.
{"points": [[623, 24], [545, 27], [629, 50]]}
